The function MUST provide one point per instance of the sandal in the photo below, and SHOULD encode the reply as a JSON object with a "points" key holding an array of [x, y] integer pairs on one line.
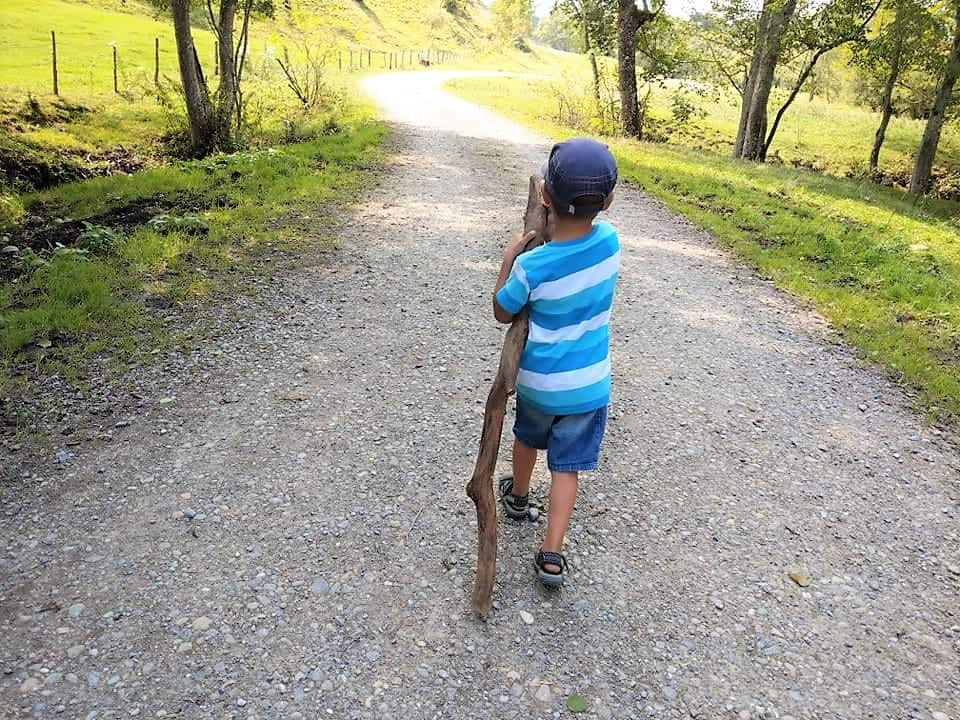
{"points": [[550, 578], [515, 506]]}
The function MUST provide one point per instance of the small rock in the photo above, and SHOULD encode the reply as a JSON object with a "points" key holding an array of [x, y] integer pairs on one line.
{"points": [[31, 684], [184, 647], [955, 569], [533, 513], [670, 693], [189, 513], [327, 685], [75, 651], [799, 577], [543, 693], [526, 617], [581, 605], [320, 586], [718, 603], [202, 623], [936, 715], [241, 702], [76, 610], [516, 690], [93, 679]]}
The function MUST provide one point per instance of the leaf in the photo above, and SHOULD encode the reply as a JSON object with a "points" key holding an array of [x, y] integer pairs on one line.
{"points": [[43, 343], [799, 578], [576, 703]]}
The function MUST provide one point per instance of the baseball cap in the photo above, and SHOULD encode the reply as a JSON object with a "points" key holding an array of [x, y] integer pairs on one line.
{"points": [[579, 168]]}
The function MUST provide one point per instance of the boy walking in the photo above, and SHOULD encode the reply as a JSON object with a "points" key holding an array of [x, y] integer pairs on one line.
{"points": [[563, 386]]}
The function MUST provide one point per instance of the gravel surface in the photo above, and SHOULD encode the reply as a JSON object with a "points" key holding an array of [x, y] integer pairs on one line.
{"points": [[282, 532]]}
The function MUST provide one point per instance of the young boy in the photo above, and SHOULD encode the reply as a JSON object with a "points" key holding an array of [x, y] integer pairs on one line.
{"points": [[563, 387]]}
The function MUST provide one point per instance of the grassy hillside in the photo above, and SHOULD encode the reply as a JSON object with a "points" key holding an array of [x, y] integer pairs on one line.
{"points": [[87, 32]]}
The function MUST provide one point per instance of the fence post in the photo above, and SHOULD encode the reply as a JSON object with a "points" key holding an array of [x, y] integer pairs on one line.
{"points": [[116, 87], [156, 62], [56, 79]]}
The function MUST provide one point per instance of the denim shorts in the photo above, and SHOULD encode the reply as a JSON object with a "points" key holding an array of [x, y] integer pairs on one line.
{"points": [[572, 442]]}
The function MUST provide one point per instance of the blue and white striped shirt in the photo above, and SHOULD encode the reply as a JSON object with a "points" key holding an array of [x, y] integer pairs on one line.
{"points": [[565, 366]]}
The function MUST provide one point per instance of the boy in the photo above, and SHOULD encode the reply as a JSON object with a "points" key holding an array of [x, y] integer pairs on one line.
{"points": [[563, 387]]}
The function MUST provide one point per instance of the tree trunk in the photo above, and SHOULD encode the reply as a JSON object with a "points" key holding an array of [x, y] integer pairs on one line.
{"points": [[627, 26], [199, 109], [480, 487], [886, 102], [927, 152], [774, 19], [227, 93], [593, 58]]}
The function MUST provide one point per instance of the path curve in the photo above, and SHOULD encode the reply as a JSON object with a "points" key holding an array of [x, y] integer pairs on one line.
{"points": [[321, 446]]}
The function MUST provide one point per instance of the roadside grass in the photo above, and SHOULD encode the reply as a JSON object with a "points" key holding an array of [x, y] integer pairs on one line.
{"points": [[196, 224], [884, 270]]}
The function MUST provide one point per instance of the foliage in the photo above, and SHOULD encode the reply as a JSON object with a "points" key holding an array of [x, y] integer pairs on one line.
{"points": [[593, 19], [558, 32], [513, 19]]}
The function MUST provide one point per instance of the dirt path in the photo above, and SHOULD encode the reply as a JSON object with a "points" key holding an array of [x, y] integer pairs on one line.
{"points": [[321, 447]]}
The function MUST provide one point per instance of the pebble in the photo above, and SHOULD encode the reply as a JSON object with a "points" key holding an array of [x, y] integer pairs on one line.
{"points": [[75, 651], [30, 685], [581, 605], [718, 603], [320, 586], [526, 617], [93, 679], [202, 623], [543, 693], [76, 610], [327, 685], [937, 715], [533, 513], [670, 693], [189, 513]]}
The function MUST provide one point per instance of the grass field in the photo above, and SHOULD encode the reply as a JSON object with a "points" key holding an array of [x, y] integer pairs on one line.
{"points": [[883, 269]]}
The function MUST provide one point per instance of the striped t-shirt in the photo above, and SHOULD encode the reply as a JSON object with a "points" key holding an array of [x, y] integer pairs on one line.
{"points": [[565, 366]]}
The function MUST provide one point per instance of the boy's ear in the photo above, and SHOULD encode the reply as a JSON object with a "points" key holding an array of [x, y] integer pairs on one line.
{"points": [[545, 196], [608, 202]]}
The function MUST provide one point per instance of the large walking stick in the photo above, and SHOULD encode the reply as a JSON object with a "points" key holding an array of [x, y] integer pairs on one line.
{"points": [[480, 487]]}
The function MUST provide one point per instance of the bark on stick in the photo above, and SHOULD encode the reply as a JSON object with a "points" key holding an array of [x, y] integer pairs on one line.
{"points": [[480, 487]]}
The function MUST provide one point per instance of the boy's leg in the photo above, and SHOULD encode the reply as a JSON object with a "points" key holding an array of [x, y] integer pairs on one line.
{"points": [[524, 459], [563, 495]]}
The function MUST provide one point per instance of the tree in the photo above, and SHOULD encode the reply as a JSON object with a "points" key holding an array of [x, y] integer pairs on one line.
{"points": [[630, 20], [837, 23], [556, 31], [926, 153], [513, 18], [772, 24], [212, 119], [596, 20], [895, 48]]}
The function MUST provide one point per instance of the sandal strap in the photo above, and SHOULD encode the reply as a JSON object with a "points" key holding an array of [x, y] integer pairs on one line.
{"points": [[506, 488], [546, 557]]}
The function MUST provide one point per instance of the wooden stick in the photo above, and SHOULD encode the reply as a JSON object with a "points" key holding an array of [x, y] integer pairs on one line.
{"points": [[480, 487]]}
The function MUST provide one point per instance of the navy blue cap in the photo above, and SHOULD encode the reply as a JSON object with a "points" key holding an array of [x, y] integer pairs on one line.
{"points": [[578, 168]]}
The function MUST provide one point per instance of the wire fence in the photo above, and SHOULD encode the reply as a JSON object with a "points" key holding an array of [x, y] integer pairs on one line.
{"points": [[124, 68]]}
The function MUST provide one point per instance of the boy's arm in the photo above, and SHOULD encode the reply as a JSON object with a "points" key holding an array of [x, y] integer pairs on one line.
{"points": [[510, 253]]}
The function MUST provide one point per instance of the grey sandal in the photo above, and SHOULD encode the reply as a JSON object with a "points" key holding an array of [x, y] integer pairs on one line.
{"points": [[550, 578], [517, 507]]}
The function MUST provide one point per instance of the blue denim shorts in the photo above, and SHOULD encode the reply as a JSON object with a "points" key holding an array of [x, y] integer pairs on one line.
{"points": [[572, 442]]}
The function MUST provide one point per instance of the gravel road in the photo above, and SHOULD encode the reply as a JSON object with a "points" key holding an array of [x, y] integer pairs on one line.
{"points": [[281, 530]]}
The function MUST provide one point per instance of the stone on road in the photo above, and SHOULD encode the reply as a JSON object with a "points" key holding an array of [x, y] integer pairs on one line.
{"points": [[275, 559]]}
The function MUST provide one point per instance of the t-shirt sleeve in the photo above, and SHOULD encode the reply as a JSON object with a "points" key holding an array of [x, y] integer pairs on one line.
{"points": [[515, 292]]}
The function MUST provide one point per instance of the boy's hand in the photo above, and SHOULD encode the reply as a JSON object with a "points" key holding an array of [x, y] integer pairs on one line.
{"points": [[517, 243]]}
